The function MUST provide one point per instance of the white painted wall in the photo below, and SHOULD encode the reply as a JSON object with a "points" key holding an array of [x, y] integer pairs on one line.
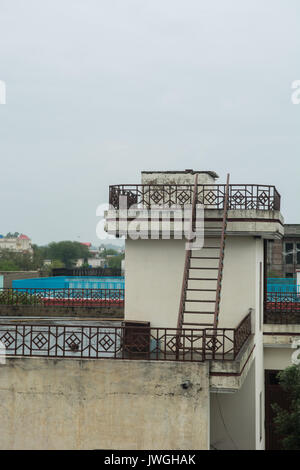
{"points": [[232, 417], [153, 280], [277, 358], [239, 280], [258, 352]]}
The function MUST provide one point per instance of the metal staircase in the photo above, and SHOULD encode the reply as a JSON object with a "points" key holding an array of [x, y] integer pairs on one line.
{"points": [[203, 273]]}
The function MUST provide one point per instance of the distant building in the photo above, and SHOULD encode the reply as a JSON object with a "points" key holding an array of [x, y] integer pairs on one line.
{"points": [[93, 250], [283, 257], [20, 244], [92, 262]]}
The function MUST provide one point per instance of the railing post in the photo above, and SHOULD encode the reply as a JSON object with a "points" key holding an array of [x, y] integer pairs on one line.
{"points": [[204, 345]]}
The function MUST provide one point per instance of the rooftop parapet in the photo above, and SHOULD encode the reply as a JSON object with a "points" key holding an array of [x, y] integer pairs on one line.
{"points": [[178, 177]]}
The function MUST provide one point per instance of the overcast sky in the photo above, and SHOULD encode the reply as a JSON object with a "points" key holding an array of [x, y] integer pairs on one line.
{"points": [[99, 90]]}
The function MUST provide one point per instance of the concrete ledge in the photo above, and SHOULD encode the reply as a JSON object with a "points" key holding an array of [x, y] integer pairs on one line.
{"points": [[264, 223], [228, 376], [280, 335]]}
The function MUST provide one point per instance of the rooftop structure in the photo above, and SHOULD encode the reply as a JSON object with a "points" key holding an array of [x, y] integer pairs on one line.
{"points": [[220, 285]]}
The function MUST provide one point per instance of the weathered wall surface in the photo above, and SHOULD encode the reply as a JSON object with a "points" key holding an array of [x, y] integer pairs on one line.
{"points": [[178, 177], [114, 311], [102, 404]]}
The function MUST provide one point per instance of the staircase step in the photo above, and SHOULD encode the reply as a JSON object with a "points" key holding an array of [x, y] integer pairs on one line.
{"points": [[198, 313], [198, 324], [202, 279], [192, 300], [211, 247], [202, 290], [204, 257], [202, 267]]}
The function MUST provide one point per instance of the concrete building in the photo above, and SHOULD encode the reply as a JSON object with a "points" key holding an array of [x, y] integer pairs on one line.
{"points": [[91, 262], [193, 365], [284, 255], [221, 286], [20, 244]]}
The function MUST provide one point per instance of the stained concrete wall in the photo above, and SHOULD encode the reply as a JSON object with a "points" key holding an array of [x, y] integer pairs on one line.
{"points": [[178, 177], [102, 404]]}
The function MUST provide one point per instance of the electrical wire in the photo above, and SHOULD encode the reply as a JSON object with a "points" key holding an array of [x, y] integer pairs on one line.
{"points": [[224, 424]]}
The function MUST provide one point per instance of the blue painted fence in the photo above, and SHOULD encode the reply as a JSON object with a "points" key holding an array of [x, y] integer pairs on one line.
{"points": [[285, 285]]}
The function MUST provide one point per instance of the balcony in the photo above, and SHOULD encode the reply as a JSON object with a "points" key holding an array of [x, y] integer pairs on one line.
{"points": [[212, 196], [253, 210], [124, 342]]}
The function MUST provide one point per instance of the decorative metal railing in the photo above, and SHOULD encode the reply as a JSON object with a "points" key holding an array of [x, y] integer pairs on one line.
{"points": [[123, 342], [282, 307], [39, 297], [241, 196], [242, 333]]}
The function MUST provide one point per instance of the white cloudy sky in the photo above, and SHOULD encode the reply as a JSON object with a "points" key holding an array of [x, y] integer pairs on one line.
{"points": [[98, 90]]}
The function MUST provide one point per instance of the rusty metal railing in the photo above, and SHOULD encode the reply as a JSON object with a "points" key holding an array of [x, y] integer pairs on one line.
{"points": [[242, 333], [282, 307], [120, 342], [43, 297], [241, 196]]}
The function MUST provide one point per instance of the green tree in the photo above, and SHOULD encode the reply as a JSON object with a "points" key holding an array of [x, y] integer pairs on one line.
{"points": [[115, 261], [62, 254], [287, 422], [8, 265], [55, 263], [68, 252], [108, 251], [12, 235], [11, 261]]}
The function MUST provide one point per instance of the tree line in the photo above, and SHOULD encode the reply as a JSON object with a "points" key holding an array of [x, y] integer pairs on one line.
{"points": [[62, 254]]}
